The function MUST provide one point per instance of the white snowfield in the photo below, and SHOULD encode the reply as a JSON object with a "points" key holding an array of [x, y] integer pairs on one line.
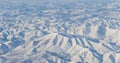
{"points": [[76, 32]]}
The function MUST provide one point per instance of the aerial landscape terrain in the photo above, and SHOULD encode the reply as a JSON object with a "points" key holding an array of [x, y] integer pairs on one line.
{"points": [[59, 31]]}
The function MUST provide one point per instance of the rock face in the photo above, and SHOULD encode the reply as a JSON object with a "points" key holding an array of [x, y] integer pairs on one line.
{"points": [[71, 32]]}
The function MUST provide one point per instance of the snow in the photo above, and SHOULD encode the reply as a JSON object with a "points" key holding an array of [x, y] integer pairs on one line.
{"points": [[68, 32]]}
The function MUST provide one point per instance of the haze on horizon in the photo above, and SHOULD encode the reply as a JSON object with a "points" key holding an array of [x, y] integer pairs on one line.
{"points": [[36, 2]]}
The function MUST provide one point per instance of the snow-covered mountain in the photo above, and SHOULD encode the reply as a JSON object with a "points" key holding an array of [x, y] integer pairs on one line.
{"points": [[71, 32]]}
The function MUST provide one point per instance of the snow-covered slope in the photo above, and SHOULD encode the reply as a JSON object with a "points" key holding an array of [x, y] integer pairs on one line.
{"points": [[73, 32], [58, 48]]}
